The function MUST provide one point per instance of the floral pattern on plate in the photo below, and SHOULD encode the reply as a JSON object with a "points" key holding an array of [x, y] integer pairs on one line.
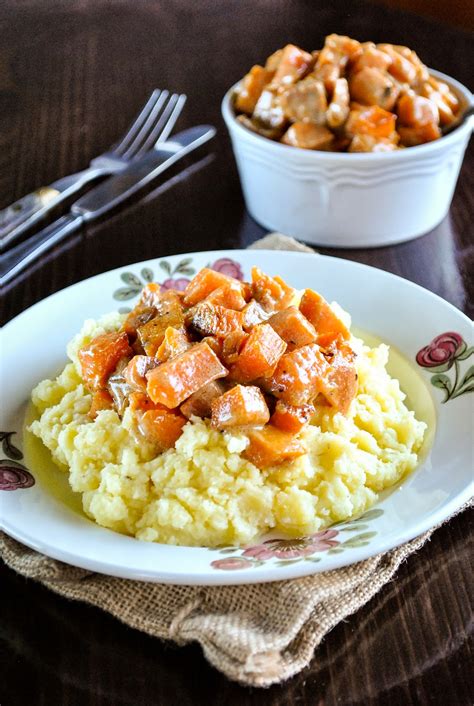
{"points": [[13, 475], [291, 551], [444, 354], [177, 277]]}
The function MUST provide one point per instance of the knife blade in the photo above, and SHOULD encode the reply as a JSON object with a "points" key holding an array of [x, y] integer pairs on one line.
{"points": [[105, 197]]}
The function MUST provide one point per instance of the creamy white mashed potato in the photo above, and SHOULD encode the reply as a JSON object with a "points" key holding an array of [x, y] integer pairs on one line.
{"points": [[203, 492]]}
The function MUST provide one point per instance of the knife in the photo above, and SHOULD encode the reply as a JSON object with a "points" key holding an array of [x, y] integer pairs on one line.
{"points": [[104, 197]]}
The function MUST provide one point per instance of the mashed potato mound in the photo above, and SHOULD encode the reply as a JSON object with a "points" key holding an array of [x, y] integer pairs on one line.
{"points": [[203, 493]]}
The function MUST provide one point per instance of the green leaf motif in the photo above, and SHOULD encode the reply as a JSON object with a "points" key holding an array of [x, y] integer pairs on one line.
{"points": [[124, 310], [441, 368], [147, 274], [131, 279], [165, 266], [9, 449], [466, 384], [353, 528], [370, 515], [313, 559], [443, 383], [184, 263], [287, 562], [125, 293], [335, 550], [465, 352], [185, 271], [230, 550], [362, 537]]}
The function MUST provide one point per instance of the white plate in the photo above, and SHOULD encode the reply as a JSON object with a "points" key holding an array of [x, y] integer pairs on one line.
{"points": [[396, 311]]}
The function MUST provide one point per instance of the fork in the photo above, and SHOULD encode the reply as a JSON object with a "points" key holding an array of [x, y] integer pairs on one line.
{"points": [[152, 125]]}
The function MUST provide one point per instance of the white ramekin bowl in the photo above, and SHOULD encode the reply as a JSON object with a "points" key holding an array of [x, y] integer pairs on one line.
{"points": [[349, 200]]}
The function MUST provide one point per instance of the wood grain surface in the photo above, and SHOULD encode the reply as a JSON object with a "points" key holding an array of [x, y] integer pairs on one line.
{"points": [[72, 75]]}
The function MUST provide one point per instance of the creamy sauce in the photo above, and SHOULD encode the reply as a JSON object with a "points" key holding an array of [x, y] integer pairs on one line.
{"points": [[38, 457]]}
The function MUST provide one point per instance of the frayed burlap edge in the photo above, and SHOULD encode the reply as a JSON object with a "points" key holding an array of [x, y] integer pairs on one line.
{"points": [[258, 635]]}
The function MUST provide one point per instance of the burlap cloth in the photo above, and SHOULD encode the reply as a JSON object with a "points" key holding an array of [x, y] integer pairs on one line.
{"points": [[257, 634]]}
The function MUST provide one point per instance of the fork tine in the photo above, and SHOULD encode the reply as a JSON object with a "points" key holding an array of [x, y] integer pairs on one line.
{"points": [[169, 125], [150, 122], [136, 126], [165, 124]]}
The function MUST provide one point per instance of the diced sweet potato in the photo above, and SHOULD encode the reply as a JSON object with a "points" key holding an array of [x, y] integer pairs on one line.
{"points": [[213, 320], [253, 313], [373, 121], [412, 136], [100, 400], [199, 404], [290, 418], [230, 296], [293, 327], [242, 405], [272, 293], [214, 344], [271, 447], [414, 110], [371, 86], [141, 401], [169, 314], [205, 282], [369, 143], [319, 313], [136, 318], [297, 375], [251, 88], [136, 370], [306, 101], [232, 346], [161, 427], [259, 354], [339, 385], [176, 341], [308, 136], [294, 64], [99, 359], [174, 381]]}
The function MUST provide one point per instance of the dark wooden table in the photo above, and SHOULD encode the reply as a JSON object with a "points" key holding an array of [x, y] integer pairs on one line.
{"points": [[72, 74]]}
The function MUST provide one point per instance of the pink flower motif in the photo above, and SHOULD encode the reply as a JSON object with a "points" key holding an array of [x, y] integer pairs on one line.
{"points": [[232, 563], [441, 351], [13, 476], [228, 267], [293, 548], [180, 284]]}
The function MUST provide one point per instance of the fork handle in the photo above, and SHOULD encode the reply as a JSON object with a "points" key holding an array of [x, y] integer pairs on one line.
{"points": [[24, 213], [20, 256]]}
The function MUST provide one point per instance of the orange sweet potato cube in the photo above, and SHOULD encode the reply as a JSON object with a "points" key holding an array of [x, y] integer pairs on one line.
{"points": [[161, 427], [213, 320], [205, 282], [296, 377], [100, 357], [242, 405], [101, 399], [271, 447], [259, 354], [325, 321], [291, 418], [293, 327], [174, 381]]}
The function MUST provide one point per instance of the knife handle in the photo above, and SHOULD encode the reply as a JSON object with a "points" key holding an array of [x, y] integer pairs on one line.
{"points": [[17, 218], [20, 256]]}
